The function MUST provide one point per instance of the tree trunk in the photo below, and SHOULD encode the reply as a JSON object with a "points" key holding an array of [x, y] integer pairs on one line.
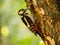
{"points": [[46, 14]]}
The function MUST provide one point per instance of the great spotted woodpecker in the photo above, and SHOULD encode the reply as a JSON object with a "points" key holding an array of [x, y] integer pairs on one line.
{"points": [[28, 21]]}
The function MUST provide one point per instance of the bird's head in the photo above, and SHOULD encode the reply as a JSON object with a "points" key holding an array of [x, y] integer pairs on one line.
{"points": [[21, 12]]}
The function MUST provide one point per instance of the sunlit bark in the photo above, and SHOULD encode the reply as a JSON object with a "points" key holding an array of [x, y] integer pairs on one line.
{"points": [[46, 14]]}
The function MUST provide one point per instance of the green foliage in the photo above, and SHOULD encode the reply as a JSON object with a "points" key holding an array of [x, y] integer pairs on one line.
{"points": [[18, 33]]}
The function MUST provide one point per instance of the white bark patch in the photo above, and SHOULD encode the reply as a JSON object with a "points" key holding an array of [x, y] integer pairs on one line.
{"points": [[59, 38], [34, 2], [50, 40], [42, 11]]}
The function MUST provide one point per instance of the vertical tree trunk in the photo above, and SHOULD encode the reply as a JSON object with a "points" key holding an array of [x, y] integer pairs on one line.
{"points": [[46, 14]]}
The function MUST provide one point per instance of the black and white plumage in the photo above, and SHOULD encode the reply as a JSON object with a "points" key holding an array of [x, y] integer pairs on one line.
{"points": [[28, 21]]}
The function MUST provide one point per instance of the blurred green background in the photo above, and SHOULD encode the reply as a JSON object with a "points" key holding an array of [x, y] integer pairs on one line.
{"points": [[12, 29]]}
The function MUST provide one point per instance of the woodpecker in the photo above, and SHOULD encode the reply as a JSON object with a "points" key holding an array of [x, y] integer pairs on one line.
{"points": [[28, 21]]}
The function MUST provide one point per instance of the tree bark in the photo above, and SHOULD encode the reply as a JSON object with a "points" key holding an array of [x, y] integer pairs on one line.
{"points": [[46, 14]]}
